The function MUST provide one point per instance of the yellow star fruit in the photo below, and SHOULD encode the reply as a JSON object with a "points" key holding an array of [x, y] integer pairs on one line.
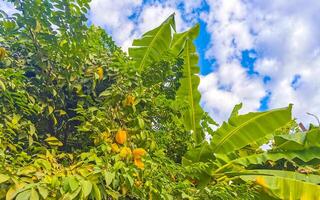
{"points": [[138, 153], [121, 137]]}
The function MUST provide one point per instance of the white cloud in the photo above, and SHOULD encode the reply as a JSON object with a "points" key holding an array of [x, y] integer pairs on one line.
{"points": [[114, 17], [230, 85], [230, 35], [285, 35], [7, 7], [153, 15], [129, 19]]}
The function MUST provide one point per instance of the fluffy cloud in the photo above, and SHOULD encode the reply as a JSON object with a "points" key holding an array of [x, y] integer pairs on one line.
{"points": [[128, 19], [7, 7], [285, 36], [230, 83], [153, 15], [114, 17]]}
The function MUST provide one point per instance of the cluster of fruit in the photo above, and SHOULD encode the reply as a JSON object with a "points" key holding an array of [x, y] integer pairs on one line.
{"points": [[126, 152]]}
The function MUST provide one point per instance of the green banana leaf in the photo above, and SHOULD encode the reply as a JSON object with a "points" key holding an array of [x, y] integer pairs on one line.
{"points": [[188, 91], [201, 154], [286, 184], [312, 138], [305, 155], [290, 142], [242, 130], [224, 163], [298, 141], [149, 48], [179, 39]]}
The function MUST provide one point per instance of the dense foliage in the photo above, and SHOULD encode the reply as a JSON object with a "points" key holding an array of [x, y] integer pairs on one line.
{"points": [[81, 119]]}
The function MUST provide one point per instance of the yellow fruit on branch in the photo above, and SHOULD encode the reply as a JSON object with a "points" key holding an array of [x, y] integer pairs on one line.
{"points": [[115, 148], [125, 152], [100, 73], [129, 101], [121, 137], [2, 53], [138, 163], [138, 183], [138, 153]]}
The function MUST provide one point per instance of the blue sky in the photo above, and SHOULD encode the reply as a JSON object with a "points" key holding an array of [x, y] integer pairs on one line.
{"points": [[265, 54]]}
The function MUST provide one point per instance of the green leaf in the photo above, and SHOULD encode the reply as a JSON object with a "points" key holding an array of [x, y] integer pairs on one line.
{"points": [[235, 111], [86, 188], [305, 156], [4, 178], [43, 191], [50, 109], [109, 176], [3, 86], [25, 195], [14, 190], [246, 129], [73, 183], [179, 39], [312, 138], [34, 194], [96, 192], [188, 92], [290, 142], [199, 154], [298, 141], [311, 178], [140, 122], [152, 44], [53, 141], [202, 154], [286, 185]]}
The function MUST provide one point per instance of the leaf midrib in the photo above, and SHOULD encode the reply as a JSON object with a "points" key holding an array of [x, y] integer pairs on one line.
{"points": [[151, 44], [222, 141], [190, 88]]}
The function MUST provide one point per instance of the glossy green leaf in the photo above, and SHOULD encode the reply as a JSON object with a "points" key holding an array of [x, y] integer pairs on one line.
{"points": [[25, 195], [43, 192], [188, 92], [34, 194], [73, 183], [286, 185], [304, 155], [86, 188], [152, 44], [298, 141], [179, 39], [109, 176], [246, 129], [4, 178], [96, 192], [199, 154], [3, 86]]}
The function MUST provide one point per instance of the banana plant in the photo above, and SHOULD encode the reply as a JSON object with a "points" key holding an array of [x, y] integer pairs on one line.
{"points": [[149, 49], [188, 91], [243, 132]]}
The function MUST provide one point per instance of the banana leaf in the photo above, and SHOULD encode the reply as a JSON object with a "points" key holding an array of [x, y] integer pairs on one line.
{"points": [[153, 43], [242, 130]]}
